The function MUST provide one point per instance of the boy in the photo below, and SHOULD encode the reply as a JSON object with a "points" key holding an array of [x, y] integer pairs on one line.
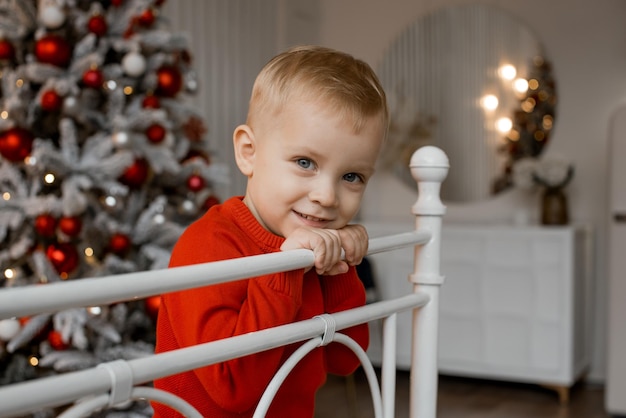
{"points": [[316, 122]]}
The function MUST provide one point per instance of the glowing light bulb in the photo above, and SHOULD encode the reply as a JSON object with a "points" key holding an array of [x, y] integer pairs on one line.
{"points": [[504, 124], [489, 102], [520, 85], [507, 72]]}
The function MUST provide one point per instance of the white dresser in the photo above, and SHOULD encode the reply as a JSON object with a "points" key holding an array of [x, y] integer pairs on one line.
{"points": [[515, 304]]}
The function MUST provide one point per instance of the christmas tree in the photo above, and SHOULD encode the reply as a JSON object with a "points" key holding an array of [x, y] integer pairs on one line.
{"points": [[532, 120], [103, 163]]}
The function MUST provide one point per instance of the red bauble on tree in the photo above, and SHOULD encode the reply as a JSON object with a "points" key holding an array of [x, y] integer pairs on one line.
{"points": [[45, 225], [147, 18], [16, 144], [195, 183], [70, 225], [135, 175], [210, 202], [169, 81], [53, 49], [93, 78], [152, 304], [151, 102], [56, 340], [155, 133], [7, 50], [63, 257], [97, 25], [51, 101], [119, 244]]}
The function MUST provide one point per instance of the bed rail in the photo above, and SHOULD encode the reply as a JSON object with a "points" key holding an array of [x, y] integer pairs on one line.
{"points": [[115, 382]]}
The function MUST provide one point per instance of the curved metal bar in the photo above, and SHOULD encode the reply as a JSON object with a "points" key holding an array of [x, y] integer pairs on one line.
{"points": [[89, 406], [303, 350], [281, 375]]}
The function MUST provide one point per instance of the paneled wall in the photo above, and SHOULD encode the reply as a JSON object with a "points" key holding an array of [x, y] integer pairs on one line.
{"points": [[230, 40]]}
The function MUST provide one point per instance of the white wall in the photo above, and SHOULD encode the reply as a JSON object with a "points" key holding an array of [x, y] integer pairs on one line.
{"points": [[586, 42]]}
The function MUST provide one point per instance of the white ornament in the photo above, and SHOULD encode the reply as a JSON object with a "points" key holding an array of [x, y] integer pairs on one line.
{"points": [[52, 16], [9, 328], [120, 138], [134, 64], [187, 207], [70, 104]]}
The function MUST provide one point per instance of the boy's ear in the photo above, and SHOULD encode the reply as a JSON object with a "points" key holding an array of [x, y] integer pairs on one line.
{"points": [[245, 147]]}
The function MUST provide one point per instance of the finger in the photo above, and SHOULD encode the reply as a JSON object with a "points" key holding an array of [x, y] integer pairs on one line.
{"points": [[354, 240], [339, 268], [326, 249]]}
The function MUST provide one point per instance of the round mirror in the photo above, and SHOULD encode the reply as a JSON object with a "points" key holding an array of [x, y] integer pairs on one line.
{"points": [[475, 82]]}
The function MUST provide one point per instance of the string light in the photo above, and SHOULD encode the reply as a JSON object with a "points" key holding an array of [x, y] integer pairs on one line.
{"points": [[504, 124], [489, 102], [507, 72], [94, 310], [520, 85], [6, 196], [49, 178]]}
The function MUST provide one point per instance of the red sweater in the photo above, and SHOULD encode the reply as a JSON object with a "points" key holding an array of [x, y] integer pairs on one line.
{"points": [[233, 388]]}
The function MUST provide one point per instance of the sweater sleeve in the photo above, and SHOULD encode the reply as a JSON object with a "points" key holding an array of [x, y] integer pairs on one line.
{"points": [[219, 311], [343, 292]]}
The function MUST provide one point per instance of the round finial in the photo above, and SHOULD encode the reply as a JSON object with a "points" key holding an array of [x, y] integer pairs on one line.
{"points": [[429, 163]]}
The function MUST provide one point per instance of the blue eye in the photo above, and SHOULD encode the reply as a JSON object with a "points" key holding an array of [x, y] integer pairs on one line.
{"points": [[304, 163], [352, 178]]}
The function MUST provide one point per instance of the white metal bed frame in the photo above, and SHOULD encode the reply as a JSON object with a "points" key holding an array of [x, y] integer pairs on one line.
{"points": [[116, 382]]}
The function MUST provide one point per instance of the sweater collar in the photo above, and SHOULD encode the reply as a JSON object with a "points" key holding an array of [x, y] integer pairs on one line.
{"points": [[245, 220]]}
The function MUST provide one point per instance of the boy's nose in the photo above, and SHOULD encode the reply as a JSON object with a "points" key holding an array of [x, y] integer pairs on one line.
{"points": [[324, 193]]}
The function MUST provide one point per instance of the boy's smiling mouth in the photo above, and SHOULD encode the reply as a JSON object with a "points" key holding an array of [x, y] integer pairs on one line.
{"points": [[309, 217]]}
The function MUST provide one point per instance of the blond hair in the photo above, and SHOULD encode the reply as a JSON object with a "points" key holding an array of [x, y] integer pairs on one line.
{"points": [[347, 85]]}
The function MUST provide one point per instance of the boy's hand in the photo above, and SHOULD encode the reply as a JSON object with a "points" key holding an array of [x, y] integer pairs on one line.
{"points": [[327, 245]]}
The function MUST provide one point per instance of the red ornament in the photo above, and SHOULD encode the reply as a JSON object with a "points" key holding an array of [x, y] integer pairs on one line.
{"points": [[155, 133], [16, 144], [195, 183], [146, 18], [50, 101], [45, 225], [210, 202], [97, 25], [70, 225], [119, 243], [7, 50], [56, 340], [63, 257], [169, 81], [151, 102], [152, 305], [136, 174], [53, 49], [93, 78], [117, 3]]}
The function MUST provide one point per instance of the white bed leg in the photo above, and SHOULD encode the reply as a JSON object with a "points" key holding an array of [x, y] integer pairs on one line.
{"points": [[429, 167]]}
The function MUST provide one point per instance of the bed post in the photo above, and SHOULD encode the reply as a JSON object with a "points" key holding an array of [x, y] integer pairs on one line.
{"points": [[429, 167]]}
